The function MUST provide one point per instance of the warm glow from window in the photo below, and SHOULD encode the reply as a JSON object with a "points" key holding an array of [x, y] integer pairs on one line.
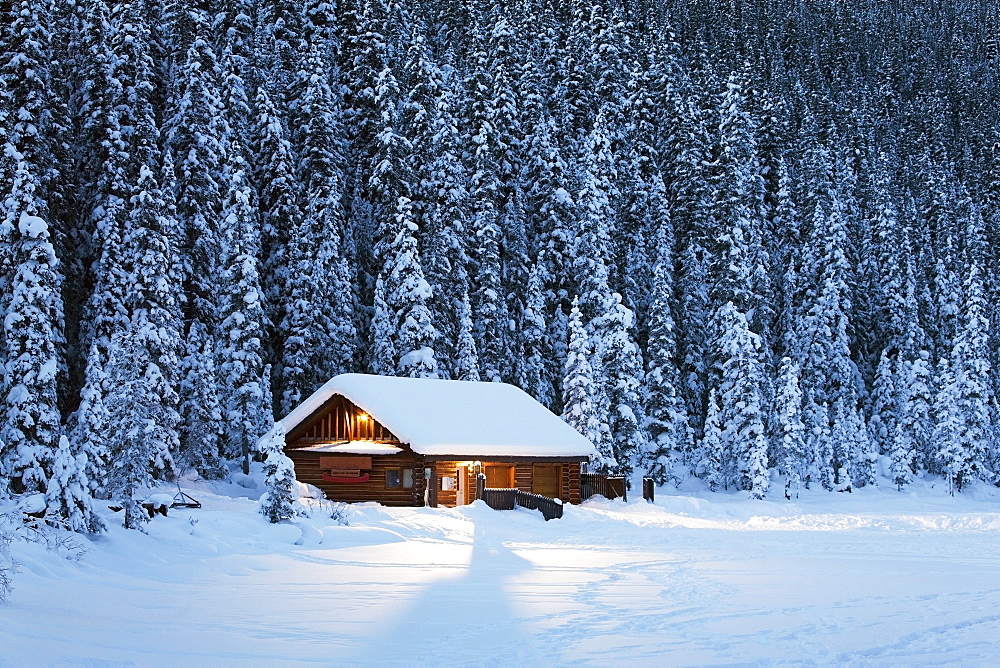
{"points": [[363, 417]]}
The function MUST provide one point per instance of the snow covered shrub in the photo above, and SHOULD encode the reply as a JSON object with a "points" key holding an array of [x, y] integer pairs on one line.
{"points": [[7, 564], [281, 493], [68, 496], [16, 522], [339, 512]]}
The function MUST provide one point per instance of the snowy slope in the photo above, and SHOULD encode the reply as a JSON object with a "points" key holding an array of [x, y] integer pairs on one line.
{"points": [[697, 578]]}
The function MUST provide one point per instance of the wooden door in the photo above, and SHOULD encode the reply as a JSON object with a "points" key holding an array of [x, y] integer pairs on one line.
{"points": [[499, 476], [546, 480], [462, 491]]}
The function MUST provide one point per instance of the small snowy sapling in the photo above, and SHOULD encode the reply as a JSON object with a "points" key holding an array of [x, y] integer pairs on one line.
{"points": [[280, 497]]}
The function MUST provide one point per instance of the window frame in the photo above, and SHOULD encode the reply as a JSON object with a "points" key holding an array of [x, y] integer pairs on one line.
{"points": [[400, 473]]}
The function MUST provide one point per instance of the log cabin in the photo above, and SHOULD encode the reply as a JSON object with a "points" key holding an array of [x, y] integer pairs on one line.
{"points": [[416, 442]]}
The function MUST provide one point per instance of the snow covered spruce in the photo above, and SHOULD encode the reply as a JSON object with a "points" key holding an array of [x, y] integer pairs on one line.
{"points": [[281, 493]]}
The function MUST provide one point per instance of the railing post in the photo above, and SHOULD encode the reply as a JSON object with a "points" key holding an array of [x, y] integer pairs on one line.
{"points": [[430, 480], [480, 485], [647, 489]]}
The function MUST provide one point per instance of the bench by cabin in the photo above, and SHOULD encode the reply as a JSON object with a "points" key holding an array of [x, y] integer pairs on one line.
{"points": [[415, 442]]}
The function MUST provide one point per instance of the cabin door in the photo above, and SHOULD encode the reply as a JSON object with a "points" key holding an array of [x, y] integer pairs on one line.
{"points": [[461, 496], [499, 476], [545, 479]]}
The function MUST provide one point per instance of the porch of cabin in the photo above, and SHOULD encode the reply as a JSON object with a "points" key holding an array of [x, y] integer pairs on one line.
{"points": [[455, 480]]}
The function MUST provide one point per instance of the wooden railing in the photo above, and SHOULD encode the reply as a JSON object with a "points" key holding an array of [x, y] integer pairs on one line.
{"points": [[499, 498], [509, 499], [610, 487]]}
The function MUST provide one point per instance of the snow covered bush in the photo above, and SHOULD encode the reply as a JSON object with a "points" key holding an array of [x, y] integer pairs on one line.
{"points": [[281, 496], [68, 496], [7, 565], [19, 520], [338, 511]]}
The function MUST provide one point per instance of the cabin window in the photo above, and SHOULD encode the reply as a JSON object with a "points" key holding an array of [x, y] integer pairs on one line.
{"points": [[399, 478]]}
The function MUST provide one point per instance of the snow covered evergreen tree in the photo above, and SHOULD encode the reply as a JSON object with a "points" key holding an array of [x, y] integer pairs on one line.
{"points": [[741, 271], [861, 452], [440, 188], [330, 335], [885, 403], [667, 421], [490, 309], [466, 364], [551, 213], [714, 462], [741, 405], [201, 425], [197, 132], [151, 236], [578, 393], [110, 112], [790, 445], [407, 295], [31, 336], [593, 237], [30, 425], [383, 335], [962, 414], [901, 458], [916, 423], [242, 324], [829, 375], [68, 495], [622, 371], [88, 431], [537, 377], [271, 158], [280, 489], [139, 430]]}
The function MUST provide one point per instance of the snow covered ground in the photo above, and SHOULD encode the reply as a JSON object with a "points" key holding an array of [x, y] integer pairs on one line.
{"points": [[874, 577]]}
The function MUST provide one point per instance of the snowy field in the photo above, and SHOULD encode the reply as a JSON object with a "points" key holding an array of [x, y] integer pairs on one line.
{"points": [[870, 578]]}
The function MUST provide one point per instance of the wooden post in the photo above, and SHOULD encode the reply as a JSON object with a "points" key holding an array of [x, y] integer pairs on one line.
{"points": [[432, 489], [647, 489], [419, 486], [480, 485]]}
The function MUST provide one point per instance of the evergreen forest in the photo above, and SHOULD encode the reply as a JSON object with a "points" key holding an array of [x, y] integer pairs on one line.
{"points": [[741, 240]]}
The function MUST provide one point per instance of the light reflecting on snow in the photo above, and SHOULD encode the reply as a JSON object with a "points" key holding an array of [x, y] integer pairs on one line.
{"points": [[875, 577]]}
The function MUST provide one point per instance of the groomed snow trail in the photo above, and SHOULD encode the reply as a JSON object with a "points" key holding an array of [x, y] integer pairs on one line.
{"points": [[688, 581]]}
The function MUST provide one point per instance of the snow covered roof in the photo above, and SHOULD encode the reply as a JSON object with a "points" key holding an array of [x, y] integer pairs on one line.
{"points": [[453, 417]]}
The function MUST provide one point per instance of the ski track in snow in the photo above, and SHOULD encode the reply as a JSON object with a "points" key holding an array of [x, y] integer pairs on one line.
{"points": [[874, 579]]}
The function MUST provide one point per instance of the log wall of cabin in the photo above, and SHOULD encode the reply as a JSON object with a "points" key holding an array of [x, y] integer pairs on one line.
{"points": [[569, 488], [571, 482], [307, 470], [445, 497]]}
